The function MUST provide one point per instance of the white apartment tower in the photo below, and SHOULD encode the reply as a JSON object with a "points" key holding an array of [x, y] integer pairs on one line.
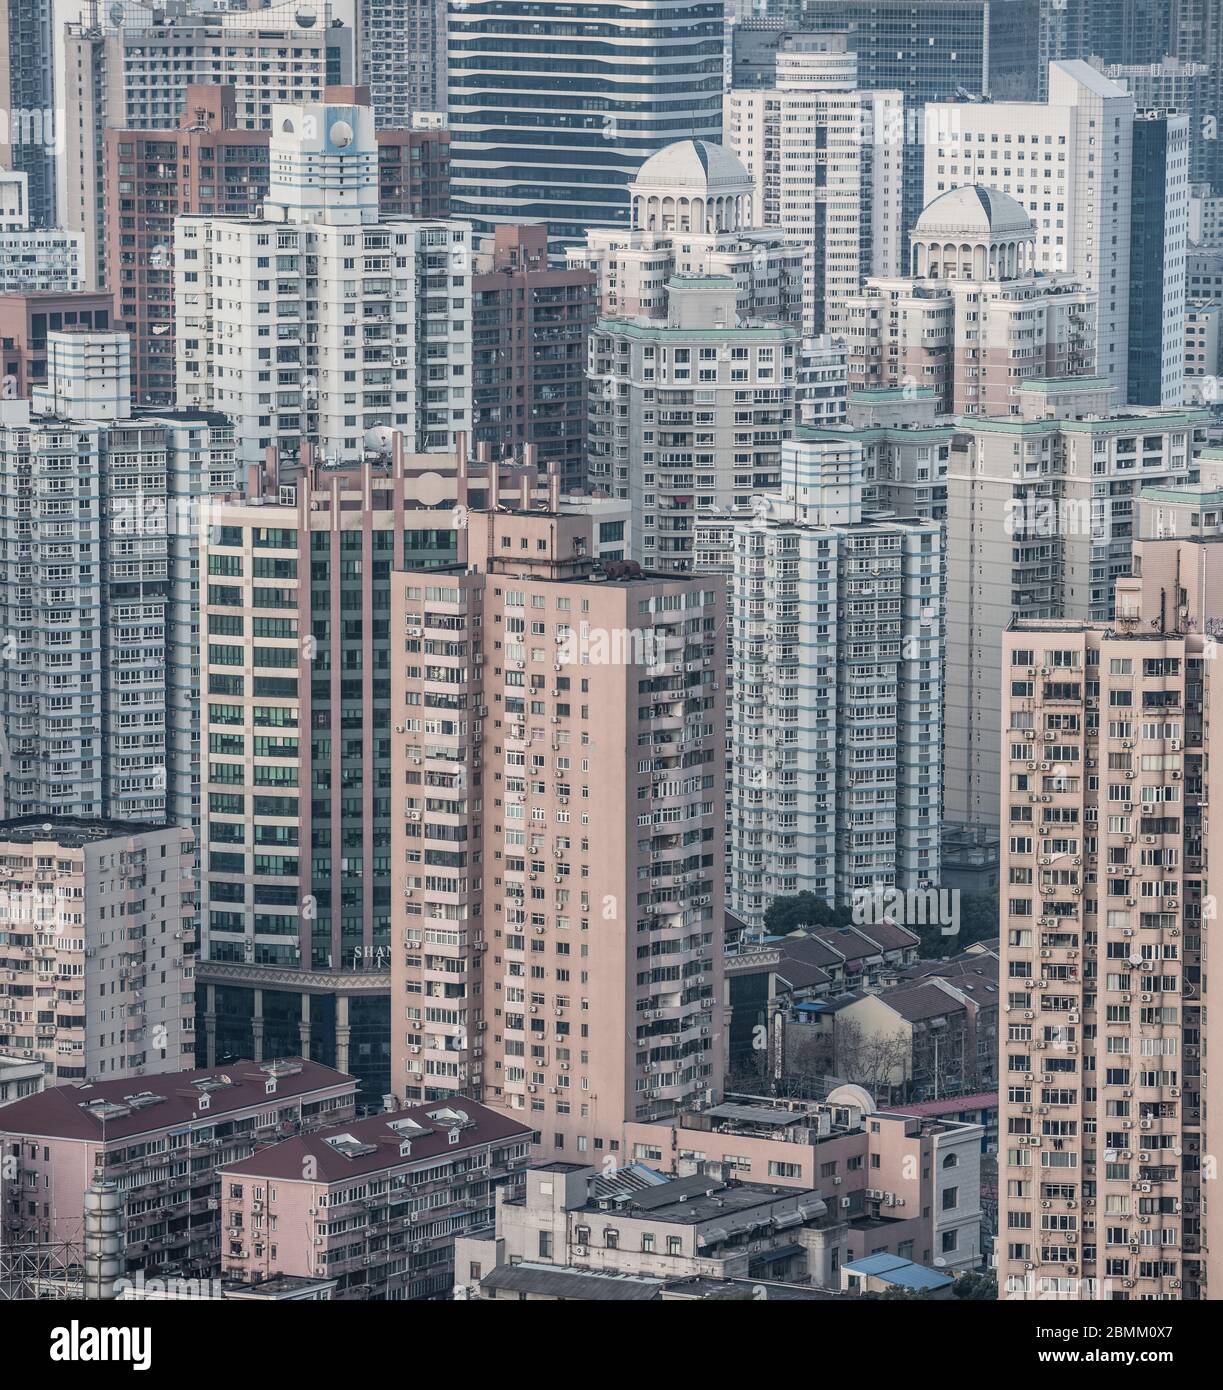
{"points": [[1068, 162], [826, 161], [1041, 519], [688, 413], [836, 636], [318, 322], [127, 65], [99, 515]]}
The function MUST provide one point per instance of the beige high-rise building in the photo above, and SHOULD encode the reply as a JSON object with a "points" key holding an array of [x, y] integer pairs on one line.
{"points": [[977, 317], [557, 775], [1105, 859], [1040, 524]]}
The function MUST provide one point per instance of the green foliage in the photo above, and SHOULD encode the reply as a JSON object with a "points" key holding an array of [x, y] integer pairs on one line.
{"points": [[977, 1288], [785, 915]]}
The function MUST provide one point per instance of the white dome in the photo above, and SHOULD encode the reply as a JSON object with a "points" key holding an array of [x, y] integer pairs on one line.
{"points": [[691, 186], [973, 211], [694, 166]]}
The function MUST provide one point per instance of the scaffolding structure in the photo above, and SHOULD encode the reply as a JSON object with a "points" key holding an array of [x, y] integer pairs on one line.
{"points": [[50, 1270]]}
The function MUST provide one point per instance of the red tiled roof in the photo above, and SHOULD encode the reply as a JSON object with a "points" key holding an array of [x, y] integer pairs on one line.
{"points": [[288, 1160], [65, 1112], [950, 1105]]}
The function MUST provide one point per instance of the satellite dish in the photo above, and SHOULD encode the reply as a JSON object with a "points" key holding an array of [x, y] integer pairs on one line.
{"points": [[341, 134], [116, 15], [379, 438]]}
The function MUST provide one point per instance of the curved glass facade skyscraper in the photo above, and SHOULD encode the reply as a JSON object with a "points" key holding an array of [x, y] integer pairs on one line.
{"points": [[553, 107]]}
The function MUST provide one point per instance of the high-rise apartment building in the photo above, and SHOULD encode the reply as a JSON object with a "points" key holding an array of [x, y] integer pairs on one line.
{"points": [[414, 170], [1105, 850], [29, 120], [321, 321], [1159, 226], [98, 697], [213, 167], [98, 920], [692, 213], [297, 795], [1040, 524], [641, 74], [403, 57], [529, 348], [1170, 84], [129, 65], [27, 322], [976, 317], [33, 259], [826, 161], [834, 786], [688, 413], [209, 166], [1068, 162], [557, 833]]}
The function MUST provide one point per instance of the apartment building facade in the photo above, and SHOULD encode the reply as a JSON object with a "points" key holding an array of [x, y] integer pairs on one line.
{"points": [[976, 318], [98, 697], [129, 66], [376, 1205], [530, 325], [693, 211], [826, 158], [831, 793], [161, 1148], [98, 922], [1040, 524], [1069, 162], [688, 414], [556, 928], [1103, 857], [320, 321], [903, 1185]]}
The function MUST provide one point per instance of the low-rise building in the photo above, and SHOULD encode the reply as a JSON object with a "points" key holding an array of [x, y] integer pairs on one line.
{"points": [[636, 1221], [161, 1147], [375, 1205], [901, 1184], [19, 1077]]}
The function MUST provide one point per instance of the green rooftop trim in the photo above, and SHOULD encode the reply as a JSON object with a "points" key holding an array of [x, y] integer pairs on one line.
{"points": [[1065, 383], [632, 329], [893, 393], [719, 282], [1190, 496], [1124, 424], [916, 433]]}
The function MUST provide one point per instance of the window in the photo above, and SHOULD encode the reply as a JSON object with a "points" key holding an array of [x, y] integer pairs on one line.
{"points": [[951, 1198], [951, 1161], [545, 1245], [950, 1239]]}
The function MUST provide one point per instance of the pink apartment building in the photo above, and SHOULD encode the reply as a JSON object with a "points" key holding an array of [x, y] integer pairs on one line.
{"points": [[375, 1205], [1105, 861], [558, 783], [161, 1142]]}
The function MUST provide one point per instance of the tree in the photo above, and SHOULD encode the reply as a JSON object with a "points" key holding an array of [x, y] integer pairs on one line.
{"points": [[785, 915], [873, 1060], [977, 1288]]}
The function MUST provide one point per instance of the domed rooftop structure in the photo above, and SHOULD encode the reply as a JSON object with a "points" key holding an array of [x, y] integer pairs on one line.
{"points": [[692, 186], [973, 233]]}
